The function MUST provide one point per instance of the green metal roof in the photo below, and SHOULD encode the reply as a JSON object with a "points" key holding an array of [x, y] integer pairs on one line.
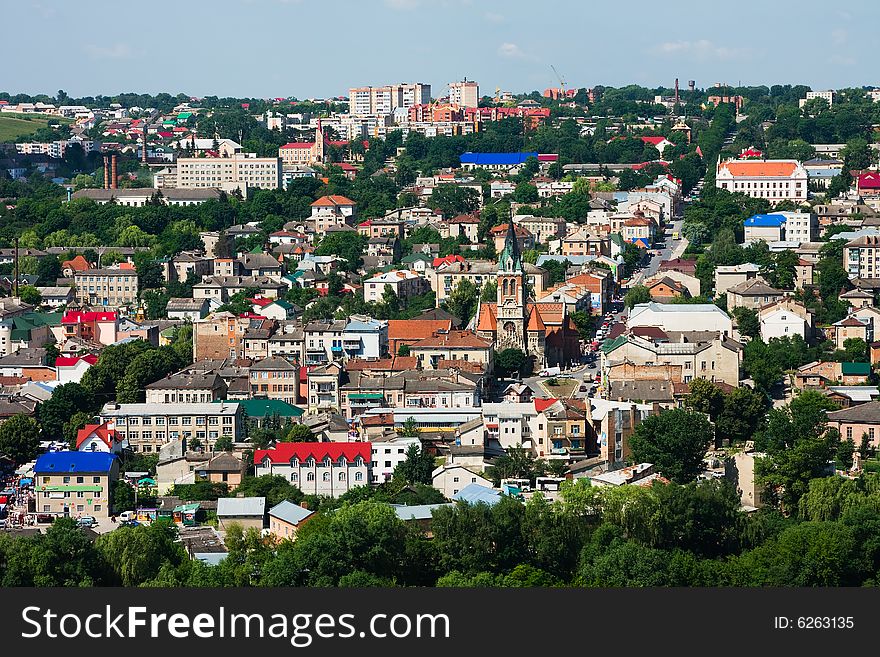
{"points": [[283, 304], [610, 345], [855, 369], [184, 115], [183, 508], [366, 395], [416, 257], [257, 408]]}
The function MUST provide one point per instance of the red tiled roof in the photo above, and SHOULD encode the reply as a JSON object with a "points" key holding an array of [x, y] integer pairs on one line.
{"points": [[298, 144], [653, 140], [453, 339], [751, 168], [332, 201], [78, 317], [102, 431], [79, 263], [408, 329], [284, 452], [71, 361], [543, 403], [447, 260], [261, 302], [392, 364], [870, 180], [502, 228]]}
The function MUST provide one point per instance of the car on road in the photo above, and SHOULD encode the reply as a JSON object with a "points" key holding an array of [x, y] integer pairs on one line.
{"points": [[86, 521]]}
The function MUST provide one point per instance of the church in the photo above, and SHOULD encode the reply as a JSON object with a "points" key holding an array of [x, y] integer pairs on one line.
{"points": [[544, 331]]}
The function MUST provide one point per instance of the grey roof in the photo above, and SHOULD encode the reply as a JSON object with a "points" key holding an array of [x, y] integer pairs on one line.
{"points": [[239, 281], [417, 511], [754, 287], [290, 512], [185, 304], [24, 357], [646, 391], [259, 261], [106, 272], [187, 381], [241, 506], [55, 291], [273, 363]]}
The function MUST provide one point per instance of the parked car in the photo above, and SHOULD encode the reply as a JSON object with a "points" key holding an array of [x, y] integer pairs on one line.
{"points": [[125, 516], [45, 517], [86, 521]]}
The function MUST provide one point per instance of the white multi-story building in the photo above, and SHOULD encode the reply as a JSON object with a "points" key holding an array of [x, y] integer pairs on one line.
{"points": [[387, 454], [404, 283], [384, 100], [680, 317], [774, 180], [861, 257], [149, 426], [240, 170], [365, 337], [329, 468], [464, 94], [827, 95]]}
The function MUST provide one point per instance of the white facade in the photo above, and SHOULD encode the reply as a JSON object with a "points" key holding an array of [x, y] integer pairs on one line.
{"points": [[243, 169], [680, 317], [782, 323], [464, 94], [451, 478], [774, 180], [388, 454]]}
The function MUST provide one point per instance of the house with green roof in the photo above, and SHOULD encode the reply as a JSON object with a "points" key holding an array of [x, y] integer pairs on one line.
{"points": [[854, 373], [32, 329]]}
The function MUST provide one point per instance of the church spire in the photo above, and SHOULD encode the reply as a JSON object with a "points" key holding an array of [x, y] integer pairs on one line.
{"points": [[510, 259]]}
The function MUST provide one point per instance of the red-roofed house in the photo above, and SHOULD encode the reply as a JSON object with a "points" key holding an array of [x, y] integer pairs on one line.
{"points": [[333, 210], [446, 260], [660, 143], [330, 468], [70, 267], [523, 237], [100, 438], [71, 369], [100, 327], [869, 184], [408, 331]]}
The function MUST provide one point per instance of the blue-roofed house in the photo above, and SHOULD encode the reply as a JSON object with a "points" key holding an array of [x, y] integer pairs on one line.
{"points": [[766, 227], [451, 478], [76, 483], [285, 519], [477, 494], [495, 161]]}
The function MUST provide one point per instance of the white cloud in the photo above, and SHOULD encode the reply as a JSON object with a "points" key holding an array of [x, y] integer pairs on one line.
{"points": [[116, 51], [511, 51], [839, 36], [842, 60], [492, 17], [43, 10], [702, 48]]}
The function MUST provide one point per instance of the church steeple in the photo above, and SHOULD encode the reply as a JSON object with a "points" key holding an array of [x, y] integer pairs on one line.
{"points": [[510, 259]]}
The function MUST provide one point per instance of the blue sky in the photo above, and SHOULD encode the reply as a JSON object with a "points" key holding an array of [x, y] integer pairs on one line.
{"points": [[319, 48]]}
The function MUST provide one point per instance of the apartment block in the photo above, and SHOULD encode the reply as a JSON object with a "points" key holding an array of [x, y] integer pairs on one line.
{"points": [[241, 169], [464, 94], [106, 287], [149, 426], [74, 483]]}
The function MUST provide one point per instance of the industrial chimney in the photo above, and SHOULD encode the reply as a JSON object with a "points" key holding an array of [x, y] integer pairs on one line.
{"points": [[692, 85], [676, 91], [144, 153], [106, 172], [114, 180]]}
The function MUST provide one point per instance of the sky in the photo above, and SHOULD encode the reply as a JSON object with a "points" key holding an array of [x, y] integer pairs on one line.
{"points": [[320, 48]]}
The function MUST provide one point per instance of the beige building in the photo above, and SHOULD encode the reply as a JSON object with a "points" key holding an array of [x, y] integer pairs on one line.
{"points": [[76, 483], [726, 276], [148, 427], [704, 354], [106, 287], [241, 170], [274, 378], [861, 257], [752, 294], [464, 94], [384, 100], [452, 345], [285, 519], [447, 277]]}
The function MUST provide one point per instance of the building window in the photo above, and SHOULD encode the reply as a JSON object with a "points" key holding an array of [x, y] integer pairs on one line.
{"points": [[310, 476]]}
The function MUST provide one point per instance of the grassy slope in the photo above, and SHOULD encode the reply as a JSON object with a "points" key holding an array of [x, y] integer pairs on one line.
{"points": [[15, 125]]}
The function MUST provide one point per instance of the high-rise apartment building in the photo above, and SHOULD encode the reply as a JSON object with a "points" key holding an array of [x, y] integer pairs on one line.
{"points": [[240, 169], [464, 94], [384, 100]]}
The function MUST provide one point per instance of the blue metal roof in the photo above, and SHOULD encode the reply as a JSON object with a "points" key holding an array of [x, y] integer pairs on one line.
{"points": [[765, 220], [487, 159], [474, 494], [73, 462]]}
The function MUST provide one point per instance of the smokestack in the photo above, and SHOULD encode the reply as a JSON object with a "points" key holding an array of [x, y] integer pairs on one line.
{"points": [[144, 154], [15, 271], [114, 180], [691, 85], [106, 172], [676, 91]]}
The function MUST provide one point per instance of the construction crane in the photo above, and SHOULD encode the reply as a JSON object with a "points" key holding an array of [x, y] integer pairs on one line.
{"points": [[561, 81]]}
